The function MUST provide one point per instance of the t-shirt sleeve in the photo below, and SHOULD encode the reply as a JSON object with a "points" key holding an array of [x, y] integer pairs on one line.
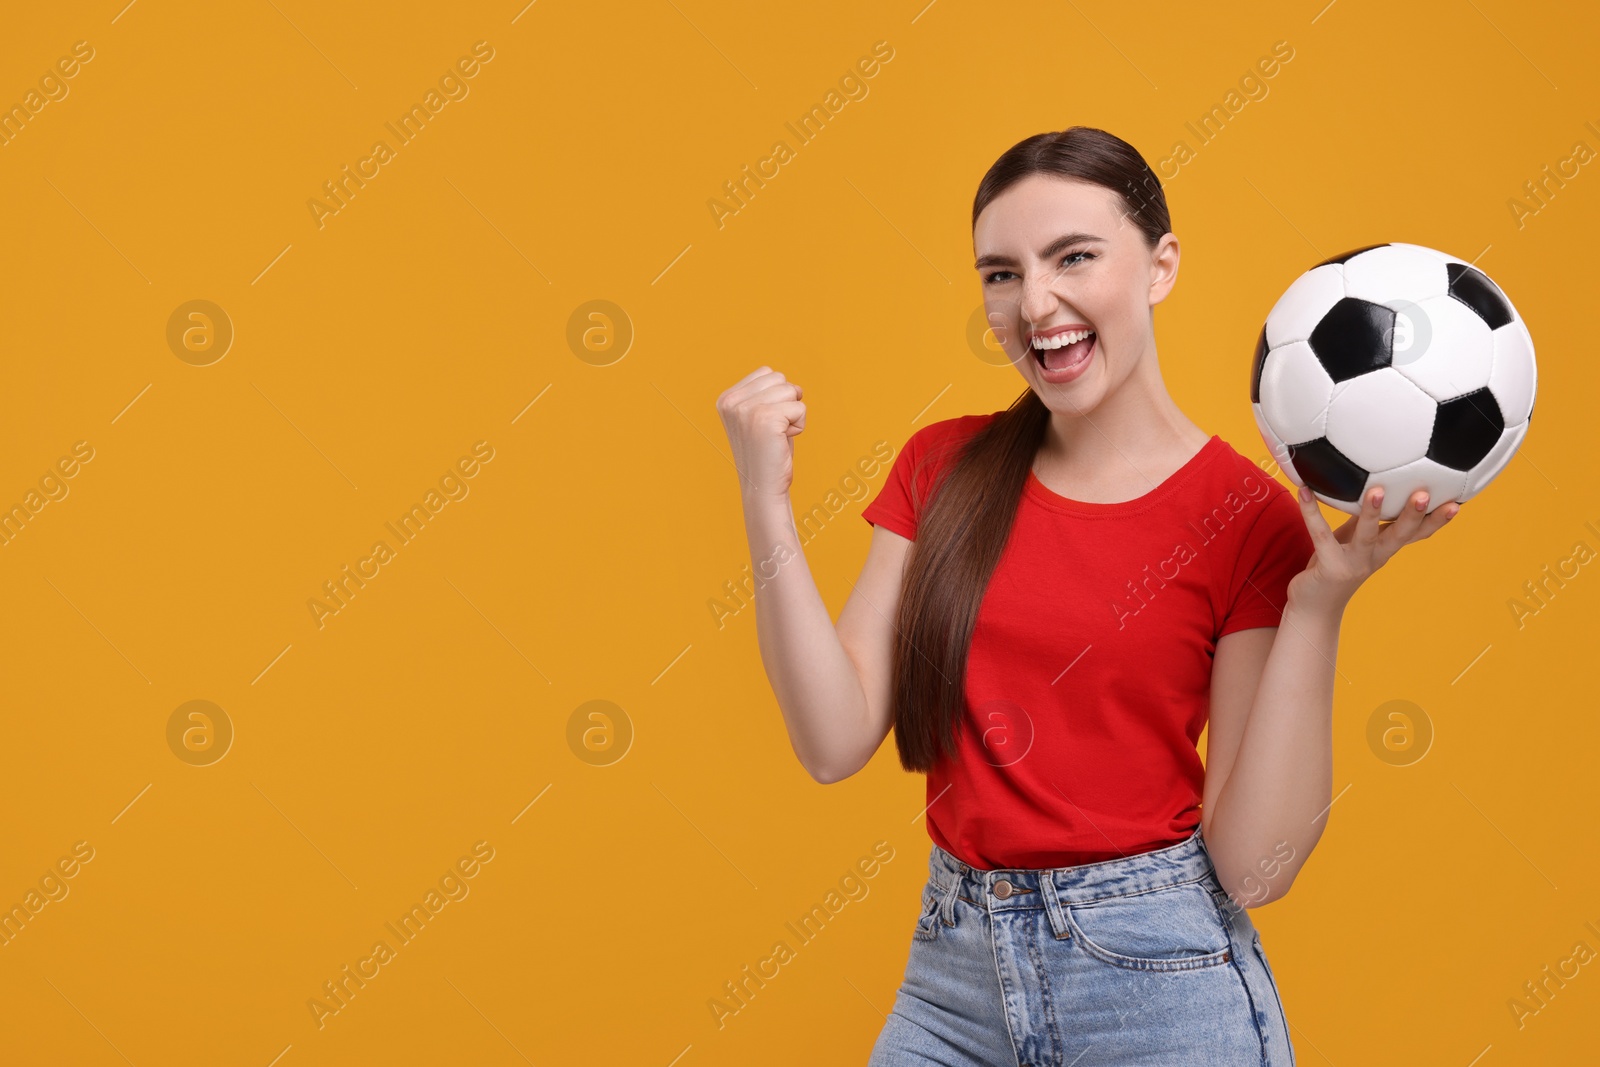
{"points": [[898, 504], [1275, 549]]}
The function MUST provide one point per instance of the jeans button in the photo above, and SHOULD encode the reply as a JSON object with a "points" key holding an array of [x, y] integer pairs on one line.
{"points": [[1002, 889]]}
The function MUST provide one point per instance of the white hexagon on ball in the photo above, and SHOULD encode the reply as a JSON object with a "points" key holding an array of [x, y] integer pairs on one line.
{"points": [[1380, 420], [1514, 376], [1399, 483], [1446, 348], [1275, 445], [1295, 390], [1393, 273], [1303, 304]]}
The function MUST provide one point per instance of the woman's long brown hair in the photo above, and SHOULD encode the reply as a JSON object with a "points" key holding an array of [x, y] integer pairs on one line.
{"points": [[967, 519]]}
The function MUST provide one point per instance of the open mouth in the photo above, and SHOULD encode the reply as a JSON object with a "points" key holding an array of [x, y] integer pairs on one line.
{"points": [[1063, 351]]}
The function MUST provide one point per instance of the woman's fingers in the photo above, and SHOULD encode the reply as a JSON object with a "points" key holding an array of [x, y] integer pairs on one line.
{"points": [[736, 393], [1346, 530], [1321, 536], [1366, 532], [1435, 519], [795, 412], [752, 376], [778, 392], [1398, 531]]}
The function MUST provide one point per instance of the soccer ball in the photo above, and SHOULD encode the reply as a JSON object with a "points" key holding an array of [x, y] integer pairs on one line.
{"points": [[1393, 365]]}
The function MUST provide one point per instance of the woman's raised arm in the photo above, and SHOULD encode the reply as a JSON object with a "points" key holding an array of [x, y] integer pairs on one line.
{"points": [[831, 682]]}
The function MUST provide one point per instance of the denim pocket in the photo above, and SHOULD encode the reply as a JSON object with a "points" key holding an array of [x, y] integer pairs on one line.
{"points": [[1176, 928], [928, 922]]}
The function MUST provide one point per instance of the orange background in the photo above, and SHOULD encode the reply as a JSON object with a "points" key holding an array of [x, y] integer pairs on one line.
{"points": [[434, 710]]}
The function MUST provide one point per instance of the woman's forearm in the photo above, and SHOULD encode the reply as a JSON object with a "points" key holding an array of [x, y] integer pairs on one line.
{"points": [[816, 684], [1274, 805]]}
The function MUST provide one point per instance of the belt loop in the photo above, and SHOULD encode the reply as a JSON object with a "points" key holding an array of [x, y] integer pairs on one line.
{"points": [[947, 904], [1057, 913], [1198, 838]]}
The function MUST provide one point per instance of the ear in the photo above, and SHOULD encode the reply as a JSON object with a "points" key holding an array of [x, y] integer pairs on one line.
{"points": [[1163, 268]]}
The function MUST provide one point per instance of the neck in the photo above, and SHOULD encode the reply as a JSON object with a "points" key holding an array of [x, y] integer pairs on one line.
{"points": [[1137, 420]]}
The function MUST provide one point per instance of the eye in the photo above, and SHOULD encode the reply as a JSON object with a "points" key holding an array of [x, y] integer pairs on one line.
{"points": [[1066, 261]]}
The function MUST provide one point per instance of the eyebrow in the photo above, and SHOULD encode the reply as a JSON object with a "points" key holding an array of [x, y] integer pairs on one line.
{"points": [[995, 259]]}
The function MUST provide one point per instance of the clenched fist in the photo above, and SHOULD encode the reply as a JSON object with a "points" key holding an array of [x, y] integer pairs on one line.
{"points": [[762, 413]]}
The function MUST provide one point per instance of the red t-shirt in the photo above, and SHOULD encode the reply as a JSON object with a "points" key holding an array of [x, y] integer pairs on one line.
{"points": [[1088, 676]]}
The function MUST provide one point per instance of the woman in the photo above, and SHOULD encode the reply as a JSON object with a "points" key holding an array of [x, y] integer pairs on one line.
{"points": [[1057, 598]]}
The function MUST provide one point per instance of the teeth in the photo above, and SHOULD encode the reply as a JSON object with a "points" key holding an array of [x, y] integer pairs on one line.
{"points": [[1045, 344]]}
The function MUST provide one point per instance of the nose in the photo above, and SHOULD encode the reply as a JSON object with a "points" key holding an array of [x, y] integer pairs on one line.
{"points": [[1038, 299]]}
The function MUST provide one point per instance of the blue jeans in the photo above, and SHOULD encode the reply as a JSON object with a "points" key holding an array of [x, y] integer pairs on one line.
{"points": [[1139, 960]]}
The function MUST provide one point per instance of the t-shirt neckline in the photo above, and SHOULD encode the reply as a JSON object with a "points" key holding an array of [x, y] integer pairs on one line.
{"points": [[1048, 497]]}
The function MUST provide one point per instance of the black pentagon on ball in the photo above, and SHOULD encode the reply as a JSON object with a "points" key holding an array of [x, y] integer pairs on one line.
{"points": [[1350, 254], [1465, 429], [1327, 470], [1255, 371], [1473, 288], [1355, 337]]}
